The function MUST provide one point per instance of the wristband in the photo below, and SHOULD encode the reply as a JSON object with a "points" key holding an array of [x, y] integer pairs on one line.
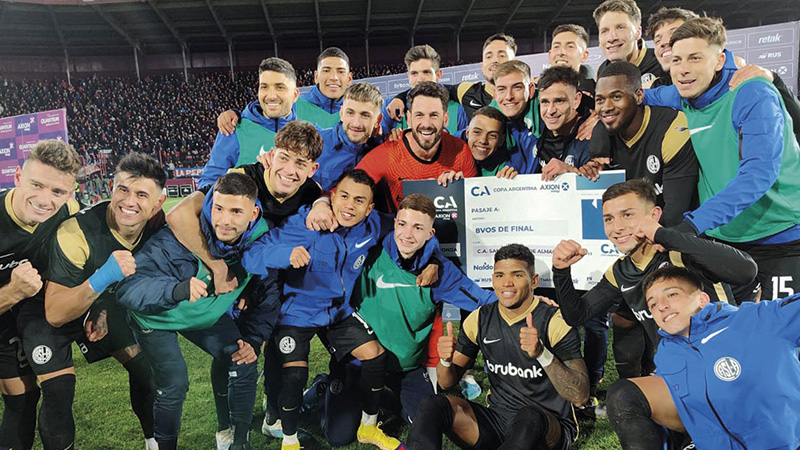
{"points": [[106, 275], [546, 358], [445, 363]]}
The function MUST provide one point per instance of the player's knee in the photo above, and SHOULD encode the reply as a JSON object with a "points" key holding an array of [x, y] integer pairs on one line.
{"points": [[625, 401], [435, 410], [243, 373], [126, 354], [531, 424], [370, 350], [376, 364]]}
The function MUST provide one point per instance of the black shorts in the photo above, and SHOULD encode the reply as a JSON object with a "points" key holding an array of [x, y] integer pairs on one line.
{"points": [[778, 270], [494, 427], [340, 339], [13, 363], [50, 348]]}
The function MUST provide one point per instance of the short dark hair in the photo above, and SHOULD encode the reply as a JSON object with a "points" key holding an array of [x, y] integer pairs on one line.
{"points": [[279, 65], [642, 187], [710, 29], [508, 39], [333, 52], [429, 89], [628, 7], [666, 15], [419, 52], [492, 113], [672, 273], [360, 177], [518, 252], [300, 137], [236, 183], [633, 77], [572, 28], [420, 203], [140, 165], [559, 74]]}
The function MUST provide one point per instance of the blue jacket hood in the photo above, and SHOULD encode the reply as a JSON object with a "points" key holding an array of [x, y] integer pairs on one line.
{"points": [[315, 96], [254, 112], [719, 85], [711, 313], [218, 248]]}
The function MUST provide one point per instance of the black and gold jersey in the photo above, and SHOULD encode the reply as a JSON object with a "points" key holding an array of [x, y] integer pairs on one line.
{"points": [[21, 242], [84, 242], [645, 61], [472, 96], [516, 379], [276, 210]]}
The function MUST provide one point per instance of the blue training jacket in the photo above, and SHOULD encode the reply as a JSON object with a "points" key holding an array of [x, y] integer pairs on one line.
{"points": [[523, 156], [736, 380], [225, 151], [163, 262], [339, 155], [317, 295], [315, 96], [761, 148]]}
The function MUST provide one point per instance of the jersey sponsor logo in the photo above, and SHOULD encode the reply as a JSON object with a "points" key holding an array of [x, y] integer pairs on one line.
{"points": [[509, 369], [653, 164], [474, 104], [361, 244], [41, 354], [642, 315], [490, 341], [699, 129], [287, 345], [727, 368], [12, 264], [624, 288], [359, 262], [711, 336], [384, 285]]}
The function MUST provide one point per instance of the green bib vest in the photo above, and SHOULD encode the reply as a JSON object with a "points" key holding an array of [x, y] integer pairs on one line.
{"points": [[253, 138], [531, 119], [779, 208], [491, 165], [400, 312], [204, 312], [310, 112], [452, 118]]}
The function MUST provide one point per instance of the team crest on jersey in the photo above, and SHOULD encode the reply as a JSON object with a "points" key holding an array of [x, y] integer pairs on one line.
{"points": [[653, 164], [569, 160], [287, 345], [648, 78], [336, 387], [41, 354], [727, 369], [359, 262]]}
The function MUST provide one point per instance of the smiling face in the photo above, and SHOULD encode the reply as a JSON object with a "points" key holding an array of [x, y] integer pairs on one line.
{"points": [[412, 229], [558, 105], [673, 302], [496, 53], [661, 37], [619, 36], [483, 136], [427, 118], [276, 94], [360, 120], [288, 171], [351, 202], [512, 283], [422, 70], [512, 92], [41, 190], [333, 76], [567, 49], [615, 105], [621, 218], [135, 200], [694, 64], [231, 215]]}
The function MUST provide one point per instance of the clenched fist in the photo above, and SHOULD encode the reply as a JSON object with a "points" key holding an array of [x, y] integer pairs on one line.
{"points": [[126, 261], [299, 257], [25, 281], [567, 253]]}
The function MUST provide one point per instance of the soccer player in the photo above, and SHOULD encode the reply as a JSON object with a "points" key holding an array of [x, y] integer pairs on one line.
{"points": [[568, 47], [171, 292], [713, 360], [630, 219], [321, 104], [317, 300], [620, 34], [534, 367], [423, 64], [30, 214], [484, 136], [387, 290], [261, 119], [91, 253], [748, 161]]}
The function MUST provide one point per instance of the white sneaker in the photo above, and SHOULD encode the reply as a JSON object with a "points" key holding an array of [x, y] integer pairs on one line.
{"points": [[224, 439], [150, 444], [275, 430]]}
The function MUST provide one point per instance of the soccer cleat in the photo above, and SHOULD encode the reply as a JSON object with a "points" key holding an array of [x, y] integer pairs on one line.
{"points": [[372, 434], [150, 444], [588, 410], [275, 430], [470, 388], [224, 439]]}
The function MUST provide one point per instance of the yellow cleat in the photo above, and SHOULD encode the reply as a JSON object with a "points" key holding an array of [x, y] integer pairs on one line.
{"points": [[372, 434]]}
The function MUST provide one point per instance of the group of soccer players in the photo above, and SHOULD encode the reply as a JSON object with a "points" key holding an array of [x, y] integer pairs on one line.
{"points": [[300, 228]]}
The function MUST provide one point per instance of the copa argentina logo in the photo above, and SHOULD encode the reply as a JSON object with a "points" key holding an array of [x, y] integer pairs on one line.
{"points": [[442, 202], [480, 191], [514, 371], [609, 249]]}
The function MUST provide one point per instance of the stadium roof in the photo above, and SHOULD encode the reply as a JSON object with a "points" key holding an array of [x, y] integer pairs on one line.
{"points": [[114, 27]]}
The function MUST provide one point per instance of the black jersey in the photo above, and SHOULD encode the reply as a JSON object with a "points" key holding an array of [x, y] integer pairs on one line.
{"points": [[646, 61], [516, 379], [472, 96], [276, 210], [21, 242]]}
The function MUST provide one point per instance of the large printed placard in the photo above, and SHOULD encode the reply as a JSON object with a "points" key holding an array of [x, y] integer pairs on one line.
{"points": [[19, 134]]}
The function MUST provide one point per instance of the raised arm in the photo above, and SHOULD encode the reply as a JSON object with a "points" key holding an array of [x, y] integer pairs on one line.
{"points": [[273, 250], [224, 155], [667, 96]]}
